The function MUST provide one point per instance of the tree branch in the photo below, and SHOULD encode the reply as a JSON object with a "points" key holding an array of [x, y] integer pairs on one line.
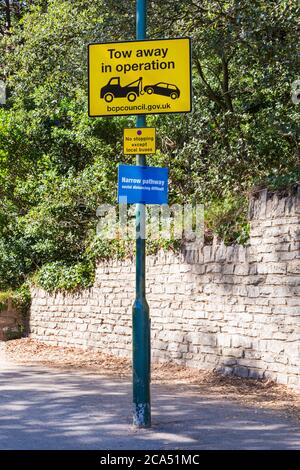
{"points": [[225, 84], [210, 92]]}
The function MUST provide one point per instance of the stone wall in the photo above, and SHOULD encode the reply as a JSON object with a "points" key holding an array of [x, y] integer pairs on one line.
{"points": [[10, 321], [235, 309]]}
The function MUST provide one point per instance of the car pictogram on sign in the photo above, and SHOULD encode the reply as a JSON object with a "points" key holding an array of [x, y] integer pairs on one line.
{"points": [[165, 89], [113, 89]]}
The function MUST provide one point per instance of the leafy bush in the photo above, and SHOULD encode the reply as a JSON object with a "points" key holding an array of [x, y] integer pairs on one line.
{"points": [[60, 276], [21, 299], [282, 181], [227, 219]]}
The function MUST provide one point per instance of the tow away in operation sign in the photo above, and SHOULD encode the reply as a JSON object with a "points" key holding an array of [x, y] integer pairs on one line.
{"points": [[139, 141], [140, 77], [142, 184]]}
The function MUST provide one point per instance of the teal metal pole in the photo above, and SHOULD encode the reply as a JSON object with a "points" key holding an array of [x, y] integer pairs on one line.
{"points": [[141, 361]]}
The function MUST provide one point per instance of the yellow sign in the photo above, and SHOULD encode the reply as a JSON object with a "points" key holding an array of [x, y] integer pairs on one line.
{"points": [[139, 141], [140, 77]]}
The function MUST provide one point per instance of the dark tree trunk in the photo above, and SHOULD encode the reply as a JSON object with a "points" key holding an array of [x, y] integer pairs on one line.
{"points": [[7, 15]]}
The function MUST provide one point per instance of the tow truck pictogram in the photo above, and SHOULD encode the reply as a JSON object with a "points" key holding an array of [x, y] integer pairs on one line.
{"points": [[113, 89]]}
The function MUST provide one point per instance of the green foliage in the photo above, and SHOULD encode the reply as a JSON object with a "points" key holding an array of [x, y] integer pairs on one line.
{"points": [[286, 181], [21, 299], [227, 219], [57, 165], [109, 249], [59, 276], [4, 298], [153, 246]]}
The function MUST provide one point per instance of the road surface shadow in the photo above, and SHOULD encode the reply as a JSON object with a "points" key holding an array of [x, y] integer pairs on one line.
{"points": [[43, 408]]}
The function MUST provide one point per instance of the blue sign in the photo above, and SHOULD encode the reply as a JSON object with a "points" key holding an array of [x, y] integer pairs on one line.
{"points": [[142, 184]]}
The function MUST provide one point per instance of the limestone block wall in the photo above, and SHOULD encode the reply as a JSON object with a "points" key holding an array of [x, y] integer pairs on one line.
{"points": [[231, 308]]}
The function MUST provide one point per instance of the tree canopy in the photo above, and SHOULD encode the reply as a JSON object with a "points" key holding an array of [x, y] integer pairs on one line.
{"points": [[57, 164]]}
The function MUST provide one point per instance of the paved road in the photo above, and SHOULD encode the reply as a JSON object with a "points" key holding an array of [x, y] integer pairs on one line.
{"points": [[42, 408]]}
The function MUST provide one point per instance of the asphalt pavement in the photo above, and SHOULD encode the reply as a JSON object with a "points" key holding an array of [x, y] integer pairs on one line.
{"points": [[44, 408]]}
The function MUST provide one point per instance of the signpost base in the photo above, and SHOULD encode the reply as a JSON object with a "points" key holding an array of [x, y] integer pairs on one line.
{"points": [[141, 415], [141, 364]]}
